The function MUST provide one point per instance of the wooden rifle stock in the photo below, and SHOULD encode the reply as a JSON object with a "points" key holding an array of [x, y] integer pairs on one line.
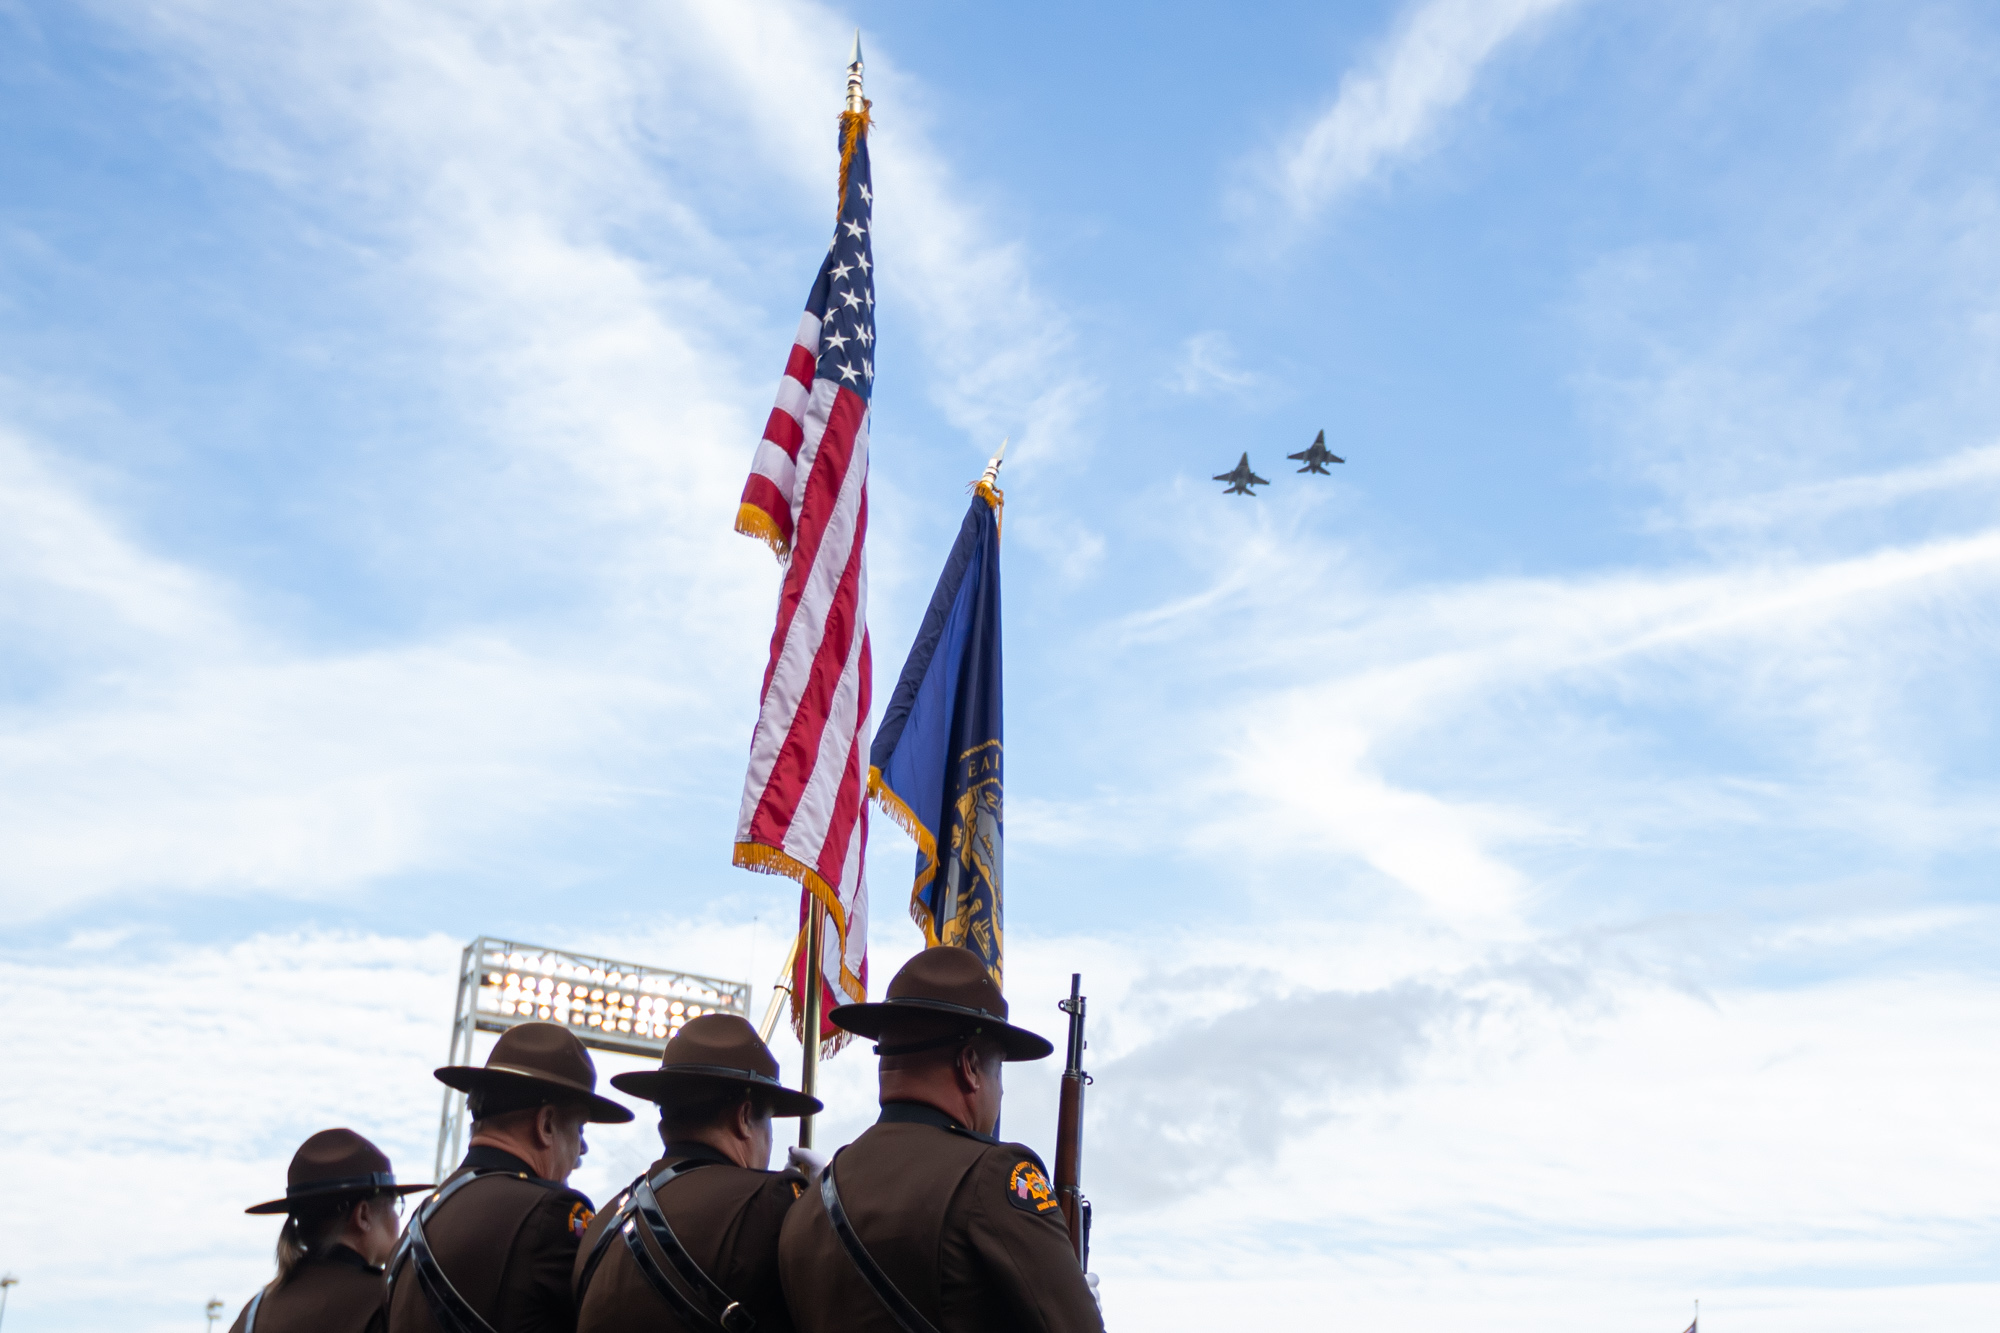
{"points": [[1069, 1128]]}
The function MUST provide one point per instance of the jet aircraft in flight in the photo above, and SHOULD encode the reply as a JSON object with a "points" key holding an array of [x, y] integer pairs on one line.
{"points": [[1317, 457], [1241, 478]]}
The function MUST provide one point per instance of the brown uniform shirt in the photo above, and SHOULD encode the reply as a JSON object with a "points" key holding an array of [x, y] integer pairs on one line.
{"points": [[338, 1292], [966, 1227], [507, 1242], [727, 1217]]}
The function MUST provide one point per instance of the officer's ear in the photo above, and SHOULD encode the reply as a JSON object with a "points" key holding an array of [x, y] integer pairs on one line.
{"points": [[967, 1064], [979, 1062]]}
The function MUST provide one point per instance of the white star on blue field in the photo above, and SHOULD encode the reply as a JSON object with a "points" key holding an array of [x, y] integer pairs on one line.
{"points": [[1535, 876]]}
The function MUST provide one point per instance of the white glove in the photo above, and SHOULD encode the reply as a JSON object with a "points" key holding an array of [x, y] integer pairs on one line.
{"points": [[806, 1162], [1091, 1278]]}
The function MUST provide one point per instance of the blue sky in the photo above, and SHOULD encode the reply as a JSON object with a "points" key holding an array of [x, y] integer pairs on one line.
{"points": [[1538, 876]]}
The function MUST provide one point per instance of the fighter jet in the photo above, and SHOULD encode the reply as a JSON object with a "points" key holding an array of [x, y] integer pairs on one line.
{"points": [[1317, 457], [1241, 478]]}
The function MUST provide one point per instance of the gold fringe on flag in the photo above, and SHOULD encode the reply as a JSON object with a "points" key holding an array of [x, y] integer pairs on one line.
{"points": [[994, 497], [771, 861], [853, 124], [906, 819], [754, 522]]}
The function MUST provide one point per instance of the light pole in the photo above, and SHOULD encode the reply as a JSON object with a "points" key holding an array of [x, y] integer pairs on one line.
{"points": [[6, 1282], [214, 1312]]}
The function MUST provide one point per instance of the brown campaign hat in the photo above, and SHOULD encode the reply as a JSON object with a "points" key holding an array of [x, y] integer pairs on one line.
{"points": [[535, 1064], [950, 981], [332, 1165], [707, 1056]]}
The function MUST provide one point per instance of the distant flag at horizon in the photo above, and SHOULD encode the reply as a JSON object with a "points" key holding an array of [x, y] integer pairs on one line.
{"points": [[805, 811]]}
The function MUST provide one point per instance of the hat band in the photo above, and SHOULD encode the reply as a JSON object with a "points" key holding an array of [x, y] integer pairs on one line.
{"points": [[925, 1002], [723, 1071], [374, 1180], [912, 1047], [544, 1076]]}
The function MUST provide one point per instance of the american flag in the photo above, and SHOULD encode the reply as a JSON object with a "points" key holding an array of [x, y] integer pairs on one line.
{"points": [[804, 811]]}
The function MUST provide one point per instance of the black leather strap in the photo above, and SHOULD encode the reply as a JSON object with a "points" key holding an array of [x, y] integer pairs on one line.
{"points": [[614, 1225], [453, 1313], [709, 1306], [906, 1315], [656, 1278], [616, 1220], [723, 1312]]}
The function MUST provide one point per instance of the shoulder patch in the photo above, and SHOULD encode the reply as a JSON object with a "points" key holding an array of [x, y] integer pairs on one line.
{"points": [[1029, 1190], [579, 1219]]}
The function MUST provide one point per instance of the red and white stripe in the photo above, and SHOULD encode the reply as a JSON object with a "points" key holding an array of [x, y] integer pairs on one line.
{"points": [[774, 472], [804, 811]]}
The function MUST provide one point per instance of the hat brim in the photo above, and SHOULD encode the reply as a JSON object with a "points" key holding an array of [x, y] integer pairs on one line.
{"points": [[333, 1196], [479, 1078], [661, 1085], [871, 1019]]}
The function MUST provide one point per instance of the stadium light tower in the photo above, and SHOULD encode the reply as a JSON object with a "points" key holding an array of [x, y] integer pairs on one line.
{"points": [[5, 1282], [610, 1005]]}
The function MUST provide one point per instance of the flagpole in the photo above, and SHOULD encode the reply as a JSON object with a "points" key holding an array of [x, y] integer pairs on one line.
{"points": [[780, 989], [809, 1029], [815, 931]]}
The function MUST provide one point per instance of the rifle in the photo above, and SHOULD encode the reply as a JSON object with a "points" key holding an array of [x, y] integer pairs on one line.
{"points": [[1069, 1128]]}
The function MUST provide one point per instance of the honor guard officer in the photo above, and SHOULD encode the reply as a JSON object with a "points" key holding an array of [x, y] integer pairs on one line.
{"points": [[341, 1207], [492, 1250], [692, 1245], [927, 1222]]}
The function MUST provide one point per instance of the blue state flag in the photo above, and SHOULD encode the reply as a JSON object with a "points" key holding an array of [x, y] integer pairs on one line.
{"points": [[935, 767]]}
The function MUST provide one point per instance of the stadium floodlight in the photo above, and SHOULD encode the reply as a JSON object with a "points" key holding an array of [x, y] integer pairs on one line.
{"points": [[610, 1005]]}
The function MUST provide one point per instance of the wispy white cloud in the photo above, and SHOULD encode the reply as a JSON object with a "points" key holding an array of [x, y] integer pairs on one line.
{"points": [[1807, 660], [1207, 364], [1391, 107], [1969, 470], [64, 564]]}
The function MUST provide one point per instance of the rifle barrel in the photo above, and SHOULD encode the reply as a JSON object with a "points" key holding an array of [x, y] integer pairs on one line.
{"points": [[1069, 1124]]}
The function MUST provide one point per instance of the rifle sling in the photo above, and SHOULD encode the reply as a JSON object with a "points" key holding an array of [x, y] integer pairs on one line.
{"points": [[250, 1315], [906, 1315]]}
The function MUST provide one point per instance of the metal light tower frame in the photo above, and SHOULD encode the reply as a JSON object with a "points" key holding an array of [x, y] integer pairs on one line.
{"points": [[611, 1005]]}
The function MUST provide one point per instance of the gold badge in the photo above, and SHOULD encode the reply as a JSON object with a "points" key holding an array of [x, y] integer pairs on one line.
{"points": [[1028, 1189]]}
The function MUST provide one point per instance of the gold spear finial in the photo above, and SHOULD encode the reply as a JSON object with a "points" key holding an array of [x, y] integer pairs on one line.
{"points": [[987, 487], [992, 474], [855, 102]]}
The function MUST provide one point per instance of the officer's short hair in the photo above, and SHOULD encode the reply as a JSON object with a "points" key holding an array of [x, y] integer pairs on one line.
{"points": [[686, 1115]]}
